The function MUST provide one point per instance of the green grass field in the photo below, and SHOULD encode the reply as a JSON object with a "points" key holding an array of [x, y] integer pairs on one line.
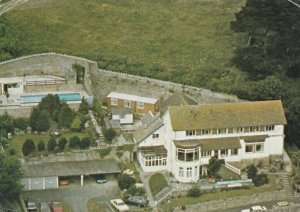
{"points": [[184, 41], [157, 183]]}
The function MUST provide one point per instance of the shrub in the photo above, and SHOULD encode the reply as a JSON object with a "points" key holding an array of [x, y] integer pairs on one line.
{"points": [[74, 142], [125, 181], [21, 123], [260, 180], [109, 134], [214, 165], [51, 144], [28, 147], [12, 151], [134, 191], [252, 172], [62, 143], [194, 192], [41, 146], [104, 152], [66, 116], [85, 143], [76, 124], [84, 106]]}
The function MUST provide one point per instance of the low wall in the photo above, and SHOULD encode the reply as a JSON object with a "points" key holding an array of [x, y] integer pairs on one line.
{"points": [[52, 88], [219, 205]]}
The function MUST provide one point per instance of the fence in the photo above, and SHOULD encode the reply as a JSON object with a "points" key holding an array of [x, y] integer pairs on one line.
{"points": [[232, 168]]}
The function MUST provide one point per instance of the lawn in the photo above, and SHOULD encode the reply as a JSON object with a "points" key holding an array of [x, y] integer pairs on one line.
{"points": [[184, 41], [17, 141], [157, 183], [223, 194]]}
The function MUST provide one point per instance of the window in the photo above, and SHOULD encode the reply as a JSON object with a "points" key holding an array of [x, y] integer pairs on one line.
{"points": [[259, 147], [222, 131], [190, 132], [155, 135], [270, 128], [224, 152], [254, 129], [122, 116], [234, 151], [140, 105], [114, 101], [238, 130], [155, 161], [196, 171], [249, 148], [187, 154], [206, 132], [127, 103], [206, 153], [180, 172], [189, 172]]}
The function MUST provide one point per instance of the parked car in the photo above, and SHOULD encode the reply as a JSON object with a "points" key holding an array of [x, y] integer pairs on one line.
{"points": [[256, 208], [55, 134], [63, 182], [137, 200], [280, 204], [101, 179], [119, 205], [56, 207], [31, 206]]}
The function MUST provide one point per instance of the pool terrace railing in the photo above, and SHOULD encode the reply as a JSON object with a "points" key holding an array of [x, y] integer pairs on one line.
{"points": [[46, 82]]}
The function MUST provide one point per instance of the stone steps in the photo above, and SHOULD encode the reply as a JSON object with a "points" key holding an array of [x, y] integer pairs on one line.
{"points": [[163, 194], [286, 184]]}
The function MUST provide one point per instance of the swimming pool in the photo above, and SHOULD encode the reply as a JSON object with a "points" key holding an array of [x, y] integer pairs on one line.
{"points": [[64, 97]]}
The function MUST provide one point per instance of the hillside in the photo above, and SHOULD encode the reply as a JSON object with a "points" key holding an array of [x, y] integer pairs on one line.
{"points": [[184, 41]]}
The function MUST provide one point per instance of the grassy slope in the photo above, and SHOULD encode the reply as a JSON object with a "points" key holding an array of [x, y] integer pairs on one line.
{"points": [[157, 183], [191, 40]]}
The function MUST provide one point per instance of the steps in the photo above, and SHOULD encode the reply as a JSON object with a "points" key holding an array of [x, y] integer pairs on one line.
{"points": [[286, 184], [163, 194], [244, 176]]}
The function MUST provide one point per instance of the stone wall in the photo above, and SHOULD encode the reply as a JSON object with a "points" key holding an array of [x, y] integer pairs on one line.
{"points": [[59, 87], [219, 205]]}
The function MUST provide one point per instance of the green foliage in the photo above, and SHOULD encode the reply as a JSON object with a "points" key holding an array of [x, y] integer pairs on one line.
{"points": [[10, 176], [85, 143], [51, 104], [109, 134], [252, 172], [214, 165], [257, 179], [6, 124], [12, 151], [157, 183], [80, 71], [84, 106], [66, 116], [39, 120], [41, 146], [74, 142], [21, 123], [52, 144], [104, 152], [76, 124], [293, 116], [134, 191], [34, 117], [125, 181], [62, 143], [28, 147], [194, 192]]}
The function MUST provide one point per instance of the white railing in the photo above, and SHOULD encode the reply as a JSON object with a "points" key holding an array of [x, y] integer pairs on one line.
{"points": [[232, 168]]}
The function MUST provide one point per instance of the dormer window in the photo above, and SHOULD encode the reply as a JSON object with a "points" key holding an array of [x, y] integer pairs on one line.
{"points": [[190, 132], [270, 128]]}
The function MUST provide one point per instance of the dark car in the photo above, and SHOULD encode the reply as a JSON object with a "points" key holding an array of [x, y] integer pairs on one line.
{"points": [[101, 179], [31, 206], [137, 200]]}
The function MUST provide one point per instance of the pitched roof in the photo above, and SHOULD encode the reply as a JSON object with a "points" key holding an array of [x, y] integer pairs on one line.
{"points": [[146, 119], [147, 129], [153, 150], [177, 99], [210, 144], [222, 115], [71, 168], [130, 97]]}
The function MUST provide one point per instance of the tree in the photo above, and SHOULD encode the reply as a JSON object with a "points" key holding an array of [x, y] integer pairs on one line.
{"points": [[6, 124], [125, 181], [84, 106], [51, 144], [252, 172], [66, 116], [10, 176], [28, 147], [85, 143], [214, 165], [194, 192], [43, 123], [51, 104], [62, 143], [21, 123], [109, 134], [74, 142], [34, 117], [41, 146], [76, 124]]}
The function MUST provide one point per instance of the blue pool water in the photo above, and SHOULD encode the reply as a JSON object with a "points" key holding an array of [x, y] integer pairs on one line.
{"points": [[64, 97]]}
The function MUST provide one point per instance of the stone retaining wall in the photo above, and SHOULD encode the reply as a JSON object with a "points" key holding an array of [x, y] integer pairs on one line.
{"points": [[219, 205]]}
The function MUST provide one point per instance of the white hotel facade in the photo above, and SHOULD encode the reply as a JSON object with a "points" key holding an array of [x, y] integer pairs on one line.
{"points": [[184, 138]]}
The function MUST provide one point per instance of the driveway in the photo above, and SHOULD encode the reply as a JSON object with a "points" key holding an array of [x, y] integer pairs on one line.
{"points": [[75, 196]]}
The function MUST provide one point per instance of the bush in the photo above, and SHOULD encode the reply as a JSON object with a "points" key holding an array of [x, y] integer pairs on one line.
{"points": [[84, 106], [125, 181], [76, 124], [51, 144], [214, 165], [21, 123], [85, 143], [260, 180], [109, 134], [28, 147], [62, 143], [74, 142], [194, 192], [66, 116], [12, 151], [134, 191], [104, 152], [41, 146], [252, 172]]}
